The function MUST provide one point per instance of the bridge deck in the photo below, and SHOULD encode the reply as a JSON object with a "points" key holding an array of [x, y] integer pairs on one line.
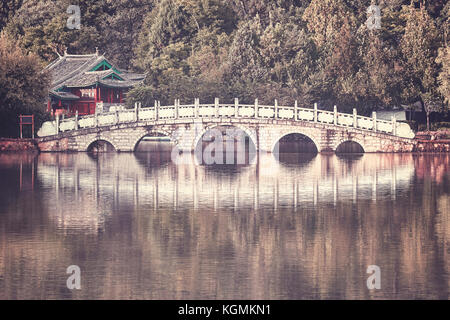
{"points": [[225, 113]]}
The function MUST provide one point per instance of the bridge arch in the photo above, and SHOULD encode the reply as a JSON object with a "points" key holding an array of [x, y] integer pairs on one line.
{"points": [[357, 142], [153, 131], [248, 131], [99, 139], [295, 131]]}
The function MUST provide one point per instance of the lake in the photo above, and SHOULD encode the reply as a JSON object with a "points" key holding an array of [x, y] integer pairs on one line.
{"points": [[303, 227]]}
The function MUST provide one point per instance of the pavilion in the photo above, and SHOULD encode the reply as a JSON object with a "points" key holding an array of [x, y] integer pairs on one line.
{"points": [[88, 84]]}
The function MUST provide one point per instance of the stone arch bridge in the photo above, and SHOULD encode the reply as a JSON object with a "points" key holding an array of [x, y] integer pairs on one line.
{"points": [[186, 124]]}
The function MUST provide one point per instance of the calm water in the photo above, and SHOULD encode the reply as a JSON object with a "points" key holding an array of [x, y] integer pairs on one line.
{"points": [[141, 227]]}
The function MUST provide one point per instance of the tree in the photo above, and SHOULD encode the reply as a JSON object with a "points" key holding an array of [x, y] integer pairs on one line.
{"points": [[245, 62], [419, 46], [120, 28], [444, 76], [7, 9], [182, 47], [325, 18], [41, 27], [23, 85]]}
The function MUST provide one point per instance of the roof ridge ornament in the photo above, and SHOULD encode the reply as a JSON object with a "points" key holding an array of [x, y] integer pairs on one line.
{"points": [[96, 51]]}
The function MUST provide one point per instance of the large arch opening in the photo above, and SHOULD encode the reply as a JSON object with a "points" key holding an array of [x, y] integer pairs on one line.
{"points": [[349, 147], [100, 146], [154, 150], [295, 148], [225, 145], [154, 142]]}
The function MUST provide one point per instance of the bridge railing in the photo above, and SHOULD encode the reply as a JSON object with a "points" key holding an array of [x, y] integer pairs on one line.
{"points": [[233, 110]]}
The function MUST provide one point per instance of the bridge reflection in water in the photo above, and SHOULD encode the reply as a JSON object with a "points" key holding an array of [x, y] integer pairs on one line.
{"points": [[152, 179], [141, 226]]}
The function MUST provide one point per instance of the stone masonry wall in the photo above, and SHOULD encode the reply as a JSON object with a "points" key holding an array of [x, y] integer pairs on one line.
{"points": [[186, 133]]}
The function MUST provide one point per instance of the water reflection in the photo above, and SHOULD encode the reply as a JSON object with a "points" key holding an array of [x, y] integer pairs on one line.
{"points": [[142, 227]]}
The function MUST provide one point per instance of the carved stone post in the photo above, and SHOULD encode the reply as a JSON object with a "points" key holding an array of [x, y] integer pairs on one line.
{"points": [[236, 107], [335, 115], [355, 118], [197, 106], [76, 120], [216, 107], [315, 112], [156, 111], [276, 109], [256, 108], [374, 116], [57, 123], [296, 110], [175, 104], [139, 109], [136, 111], [394, 125]]}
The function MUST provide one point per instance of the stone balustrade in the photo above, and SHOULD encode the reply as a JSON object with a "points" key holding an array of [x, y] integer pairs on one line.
{"points": [[234, 110]]}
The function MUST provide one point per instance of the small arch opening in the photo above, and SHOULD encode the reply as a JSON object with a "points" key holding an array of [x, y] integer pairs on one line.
{"points": [[100, 146], [349, 147], [225, 145]]}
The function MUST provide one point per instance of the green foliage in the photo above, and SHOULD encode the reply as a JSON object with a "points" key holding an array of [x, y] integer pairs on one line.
{"points": [[310, 51], [419, 47], [7, 9], [23, 85], [444, 75]]}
